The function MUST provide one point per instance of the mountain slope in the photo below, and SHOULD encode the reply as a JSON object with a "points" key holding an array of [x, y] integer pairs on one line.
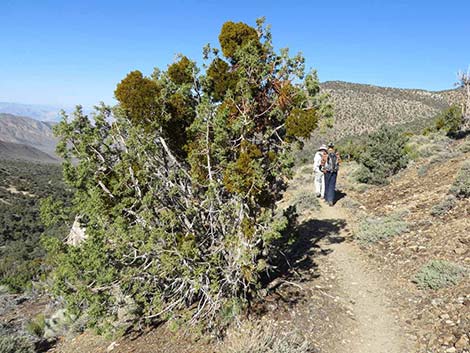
{"points": [[16, 151], [360, 108], [27, 131]]}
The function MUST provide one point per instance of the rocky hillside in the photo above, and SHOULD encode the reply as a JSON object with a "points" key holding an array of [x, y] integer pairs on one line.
{"points": [[27, 131], [361, 108]]}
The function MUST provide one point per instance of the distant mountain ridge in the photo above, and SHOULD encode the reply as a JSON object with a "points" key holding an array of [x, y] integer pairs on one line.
{"points": [[34, 111], [27, 131], [361, 108]]}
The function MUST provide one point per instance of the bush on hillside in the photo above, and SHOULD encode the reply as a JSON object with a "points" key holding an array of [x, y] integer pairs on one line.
{"points": [[450, 120], [351, 147], [438, 274], [424, 146], [374, 229], [11, 343], [444, 206], [384, 155], [183, 227], [461, 185]]}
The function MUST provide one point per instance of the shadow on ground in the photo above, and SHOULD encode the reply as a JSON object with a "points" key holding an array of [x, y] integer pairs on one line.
{"points": [[302, 244], [297, 264]]}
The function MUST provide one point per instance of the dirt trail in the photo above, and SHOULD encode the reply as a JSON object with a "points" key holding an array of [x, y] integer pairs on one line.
{"points": [[373, 328]]}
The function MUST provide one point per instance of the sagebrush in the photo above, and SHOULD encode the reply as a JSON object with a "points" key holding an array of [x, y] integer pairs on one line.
{"points": [[461, 185], [15, 344], [438, 274], [374, 229]]}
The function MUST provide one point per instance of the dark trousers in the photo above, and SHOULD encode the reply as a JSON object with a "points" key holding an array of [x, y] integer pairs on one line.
{"points": [[330, 186]]}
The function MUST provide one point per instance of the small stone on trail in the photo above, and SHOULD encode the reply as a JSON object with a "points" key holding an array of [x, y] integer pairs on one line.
{"points": [[462, 342], [112, 346]]}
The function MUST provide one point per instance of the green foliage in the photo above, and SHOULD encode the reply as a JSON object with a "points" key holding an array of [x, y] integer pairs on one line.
{"points": [[15, 344], [352, 147], [23, 185], [450, 120], [181, 72], [461, 185], [374, 229], [220, 79], [384, 155], [137, 96], [438, 274], [236, 36], [425, 146], [178, 193], [444, 206], [36, 326], [301, 123]]}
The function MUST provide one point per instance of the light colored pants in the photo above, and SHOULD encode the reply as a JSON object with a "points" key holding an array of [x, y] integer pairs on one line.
{"points": [[319, 179]]}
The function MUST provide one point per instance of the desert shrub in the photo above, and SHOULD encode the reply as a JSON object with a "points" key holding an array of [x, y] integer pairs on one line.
{"points": [[36, 326], [352, 147], [15, 344], [461, 185], [438, 274], [373, 229], [187, 227], [464, 147], [304, 201], [262, 337], [450, 120], [384, 155], [444, 206], [424, 146]]}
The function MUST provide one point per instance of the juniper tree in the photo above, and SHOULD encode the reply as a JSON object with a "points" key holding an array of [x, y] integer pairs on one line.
{"points": [[178, 191]]}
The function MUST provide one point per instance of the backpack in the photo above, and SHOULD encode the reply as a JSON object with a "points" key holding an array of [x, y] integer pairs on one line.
{"points": [[332, 164]]}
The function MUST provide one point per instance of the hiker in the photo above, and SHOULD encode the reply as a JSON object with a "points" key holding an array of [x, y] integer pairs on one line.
{"points": [[318, 175], [330, 165]]}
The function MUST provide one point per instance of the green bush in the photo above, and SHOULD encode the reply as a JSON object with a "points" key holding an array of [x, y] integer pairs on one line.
{"points": [[384, 155], [461, 184], [352, 147], [444, 206], [36, 326], [424, 146], [15, 344], [373, 229], [450, 120], [438, 274]]}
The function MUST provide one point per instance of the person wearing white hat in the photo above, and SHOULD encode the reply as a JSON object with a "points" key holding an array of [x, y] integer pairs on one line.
{"points": [[318, 175]]}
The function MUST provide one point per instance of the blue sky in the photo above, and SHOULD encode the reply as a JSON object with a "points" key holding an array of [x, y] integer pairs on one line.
{"points": [[75, 52]]}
